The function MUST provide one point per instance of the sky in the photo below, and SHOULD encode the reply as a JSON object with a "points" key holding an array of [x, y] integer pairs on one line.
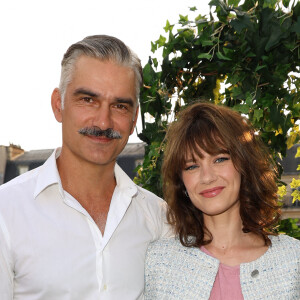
{"points": [[35, 34]]}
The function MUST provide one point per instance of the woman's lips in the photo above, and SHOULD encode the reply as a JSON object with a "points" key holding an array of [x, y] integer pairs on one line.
{"points": [[212, 192]]}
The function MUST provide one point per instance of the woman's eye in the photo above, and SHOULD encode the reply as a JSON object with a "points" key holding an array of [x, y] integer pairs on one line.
{"points": [[189, 168], [221, 159]]}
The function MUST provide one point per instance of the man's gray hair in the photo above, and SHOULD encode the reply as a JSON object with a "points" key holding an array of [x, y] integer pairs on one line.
{"points": [[103, 47]]}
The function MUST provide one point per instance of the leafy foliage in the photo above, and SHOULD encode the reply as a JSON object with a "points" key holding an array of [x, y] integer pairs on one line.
{"points": [[290, 227], [245, 56]]}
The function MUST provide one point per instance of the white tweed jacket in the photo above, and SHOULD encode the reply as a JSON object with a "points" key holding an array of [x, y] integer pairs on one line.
{"points": [[177, 272]]}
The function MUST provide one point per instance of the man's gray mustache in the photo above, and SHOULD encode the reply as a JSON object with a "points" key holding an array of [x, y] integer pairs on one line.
{"points": [[96, 131]]}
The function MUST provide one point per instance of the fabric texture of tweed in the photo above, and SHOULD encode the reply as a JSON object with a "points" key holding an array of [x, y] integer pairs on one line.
{"points": [[177, 272]]}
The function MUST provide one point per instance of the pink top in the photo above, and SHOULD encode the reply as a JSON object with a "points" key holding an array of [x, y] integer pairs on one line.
{"points": [[227, 284]]}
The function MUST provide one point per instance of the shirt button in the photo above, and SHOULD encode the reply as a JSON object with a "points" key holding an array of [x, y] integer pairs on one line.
{"points": [[254, 274]]}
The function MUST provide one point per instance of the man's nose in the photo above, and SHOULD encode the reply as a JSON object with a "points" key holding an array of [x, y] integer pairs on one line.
{"points": [[103, 118]]}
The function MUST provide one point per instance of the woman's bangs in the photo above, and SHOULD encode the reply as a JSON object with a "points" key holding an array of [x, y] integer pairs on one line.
{"points": [[205, 140]]}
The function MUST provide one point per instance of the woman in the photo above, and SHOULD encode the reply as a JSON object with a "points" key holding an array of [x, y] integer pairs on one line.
{"points": [[220, 184]]}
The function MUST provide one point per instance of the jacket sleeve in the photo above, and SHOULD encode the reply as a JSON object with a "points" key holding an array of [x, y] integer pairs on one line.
{"points": [[150, 276]]}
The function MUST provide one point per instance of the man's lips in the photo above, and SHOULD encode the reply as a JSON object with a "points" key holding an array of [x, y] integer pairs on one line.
{"points": [[103, 139], [209, 193]]}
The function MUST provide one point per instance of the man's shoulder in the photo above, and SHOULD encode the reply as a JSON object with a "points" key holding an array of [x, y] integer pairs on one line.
{"points": [[149, 195], [18, 187], [149, 201], [124, 180], [24, 178]]}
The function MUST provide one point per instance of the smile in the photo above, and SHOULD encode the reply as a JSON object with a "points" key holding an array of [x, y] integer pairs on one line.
{"points": [[100, 139], [210, 193]]}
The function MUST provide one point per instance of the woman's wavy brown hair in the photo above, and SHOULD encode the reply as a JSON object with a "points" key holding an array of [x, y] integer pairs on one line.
{"points": [[216, 129]]}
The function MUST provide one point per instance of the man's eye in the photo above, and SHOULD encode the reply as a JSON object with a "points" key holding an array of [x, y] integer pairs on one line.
{"points": [[121, 106], [87, 99]]}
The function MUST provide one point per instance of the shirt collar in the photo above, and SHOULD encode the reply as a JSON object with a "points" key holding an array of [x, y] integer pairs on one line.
{"points": [[124, 182], [49, 175]]}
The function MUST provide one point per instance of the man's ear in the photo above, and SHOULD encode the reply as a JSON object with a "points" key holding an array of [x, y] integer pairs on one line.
{"points": [[56, 104], [135, 119]]}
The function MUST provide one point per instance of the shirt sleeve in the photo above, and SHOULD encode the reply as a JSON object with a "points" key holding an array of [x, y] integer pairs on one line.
{"points": [[166, 228], [6, 272]]}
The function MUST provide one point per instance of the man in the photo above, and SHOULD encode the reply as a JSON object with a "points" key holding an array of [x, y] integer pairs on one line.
{"points": [[78, 227]]}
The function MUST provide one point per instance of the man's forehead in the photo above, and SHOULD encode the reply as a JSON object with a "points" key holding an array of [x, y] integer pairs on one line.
{"points": [[83, 59], [87, 68]]}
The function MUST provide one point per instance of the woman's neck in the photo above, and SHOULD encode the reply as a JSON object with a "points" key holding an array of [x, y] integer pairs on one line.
{"points": [[230, 244]]}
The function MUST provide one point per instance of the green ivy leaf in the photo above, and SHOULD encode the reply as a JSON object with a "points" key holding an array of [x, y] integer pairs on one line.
{"points": [[168, 26], [275, 115], [251, 54], [206, 43], [194, 8], [269, 3], [233, 2], [161, 41], [149, 74], [274, 38], [153, 47], [233, 78], [236, 92], [183, 19], [221, 56], [205, 55], [259, 68], [286, 3], [248, 99], [242, 108], [258, 114], [296, 26], [228, 52], [241, 23]]}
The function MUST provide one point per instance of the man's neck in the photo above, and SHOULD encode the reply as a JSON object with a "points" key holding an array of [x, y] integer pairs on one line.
{"points": [[82, 177], [90, 184]]}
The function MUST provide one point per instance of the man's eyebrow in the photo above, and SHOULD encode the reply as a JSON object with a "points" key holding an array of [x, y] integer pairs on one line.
{"points": [[125, 100], [83, 91]]}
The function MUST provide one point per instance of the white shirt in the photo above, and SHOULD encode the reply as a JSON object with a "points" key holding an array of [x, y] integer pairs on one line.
{"points": [[50, 247]]}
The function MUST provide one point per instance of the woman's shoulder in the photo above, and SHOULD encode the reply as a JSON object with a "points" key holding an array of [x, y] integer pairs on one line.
{"points": [[173, 271], [285, 244], [169, 246], [169, 242], [171, 250], [285, 241]]}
